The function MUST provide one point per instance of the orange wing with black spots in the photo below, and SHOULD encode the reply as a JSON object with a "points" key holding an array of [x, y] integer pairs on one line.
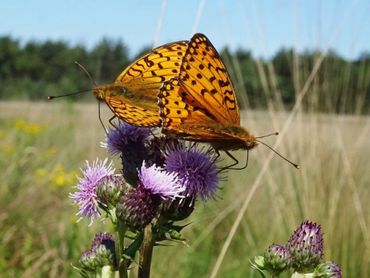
{"points": [[137, 114], [201, 101], [182, 115], [146, 75], [200, 104], [205, 78], [133, 96]]}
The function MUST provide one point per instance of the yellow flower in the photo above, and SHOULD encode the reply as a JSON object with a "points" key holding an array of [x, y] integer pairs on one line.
{"points": [[56, 177], [28, 127], [59, 180], [59, 177]]}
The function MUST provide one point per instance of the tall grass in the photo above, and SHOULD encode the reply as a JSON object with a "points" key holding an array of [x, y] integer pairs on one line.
{"points": [[43, 145]]}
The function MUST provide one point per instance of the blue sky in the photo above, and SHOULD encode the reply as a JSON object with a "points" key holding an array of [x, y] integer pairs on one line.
{"points": [[262, 26]]}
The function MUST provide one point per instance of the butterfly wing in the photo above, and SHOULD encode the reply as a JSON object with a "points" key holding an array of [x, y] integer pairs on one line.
{"points": [[136, 114], [146, 75], [184, 117], [206, 79], [201, 103], [142, 81]]}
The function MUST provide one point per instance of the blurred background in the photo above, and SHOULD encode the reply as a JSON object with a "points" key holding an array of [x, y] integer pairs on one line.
{"points": [[299, 67]]}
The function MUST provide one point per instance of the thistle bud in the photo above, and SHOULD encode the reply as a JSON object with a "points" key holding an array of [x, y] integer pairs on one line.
{"points": [[89, 261], [101, 253], [277, 258], [110, 189], [328, 270], [137, 207], [104, 247], [306, 246]]}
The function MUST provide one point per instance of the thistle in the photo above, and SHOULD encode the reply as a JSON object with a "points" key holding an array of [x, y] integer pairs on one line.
{"points": [[195, 168], [129, 142], [85, 196], [328, 270], [101, 253], [139, 206], [110, 189], [306, 247], [277, 258]]}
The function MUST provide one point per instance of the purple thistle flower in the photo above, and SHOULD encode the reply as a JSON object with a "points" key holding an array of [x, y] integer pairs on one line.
{"points": [[160, 182], [85, 196], [119, 139], [306, 246], [139, 206], [328, 270], [130, 143], [195, 168]]}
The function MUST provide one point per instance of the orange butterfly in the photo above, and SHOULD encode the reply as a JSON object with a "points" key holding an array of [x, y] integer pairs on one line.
{"points": [[200, 104], [133, 95], [183, 87]]}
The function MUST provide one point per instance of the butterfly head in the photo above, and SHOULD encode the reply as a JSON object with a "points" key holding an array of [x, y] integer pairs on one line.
{"points": [[247, 140], [235, 138], [250, 142]]}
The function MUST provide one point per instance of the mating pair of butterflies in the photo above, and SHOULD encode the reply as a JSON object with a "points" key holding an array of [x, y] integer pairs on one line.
{"points": [[184, 88]]}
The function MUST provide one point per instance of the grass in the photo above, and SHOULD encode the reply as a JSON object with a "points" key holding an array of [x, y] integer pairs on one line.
{"points": [[42, 147]]}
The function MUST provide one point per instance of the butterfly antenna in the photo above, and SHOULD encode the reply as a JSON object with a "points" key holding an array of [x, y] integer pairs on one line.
{"points": [[287, 160], [268, 135], [81, 67], [71, 94]]}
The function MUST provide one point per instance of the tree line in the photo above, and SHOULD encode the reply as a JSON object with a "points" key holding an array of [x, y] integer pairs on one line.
{"points": [[36, 69]]}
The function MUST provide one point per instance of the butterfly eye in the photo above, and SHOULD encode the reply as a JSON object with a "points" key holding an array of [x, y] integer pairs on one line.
{"points": [[121, 89]]}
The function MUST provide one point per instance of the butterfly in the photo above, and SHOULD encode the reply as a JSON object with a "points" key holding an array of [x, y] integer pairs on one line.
{"points": [[133, 95], [184, 88], [200, 103]]}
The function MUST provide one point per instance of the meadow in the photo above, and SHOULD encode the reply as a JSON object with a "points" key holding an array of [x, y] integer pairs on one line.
{"points": [[43, 145]]}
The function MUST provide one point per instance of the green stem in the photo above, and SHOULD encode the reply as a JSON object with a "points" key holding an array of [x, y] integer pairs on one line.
{"points": [[122, 267], [146, 252]]}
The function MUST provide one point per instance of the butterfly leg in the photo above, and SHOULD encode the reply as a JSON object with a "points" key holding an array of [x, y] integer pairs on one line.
{"points": [[111, 121], [106, 131], [218, 155], [246, 162], [236, 162], [241, 168]]}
